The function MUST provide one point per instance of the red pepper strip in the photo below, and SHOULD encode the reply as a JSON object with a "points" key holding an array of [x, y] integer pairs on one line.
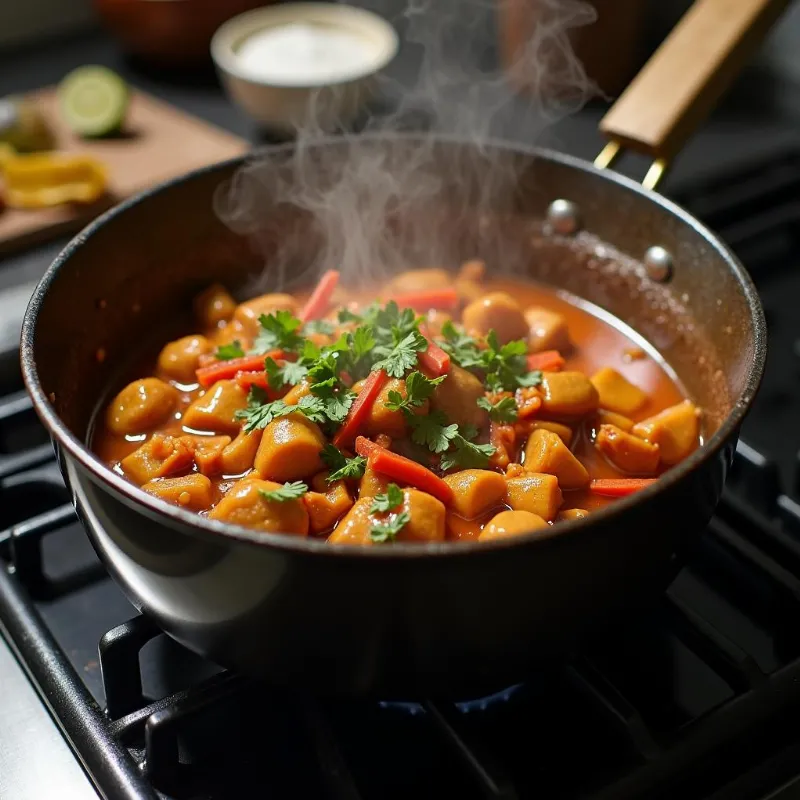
{"points": [[317, 304], [424, 300], [373, 384], [547, 361], [220, 370], [403, 469], [434, 360], [619, 487]]}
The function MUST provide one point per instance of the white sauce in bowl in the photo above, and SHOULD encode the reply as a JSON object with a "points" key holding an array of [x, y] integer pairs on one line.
{"points": [[304, 54]]}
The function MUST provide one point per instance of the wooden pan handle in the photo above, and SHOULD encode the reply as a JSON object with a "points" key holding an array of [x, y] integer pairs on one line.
{"points": [[688, 73]]}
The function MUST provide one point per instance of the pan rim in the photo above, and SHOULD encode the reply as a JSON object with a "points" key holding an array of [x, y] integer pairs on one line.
{"points": [[175, 517]]}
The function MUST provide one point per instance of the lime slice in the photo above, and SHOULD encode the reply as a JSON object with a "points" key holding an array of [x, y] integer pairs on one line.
{"points": [[94, 100]]}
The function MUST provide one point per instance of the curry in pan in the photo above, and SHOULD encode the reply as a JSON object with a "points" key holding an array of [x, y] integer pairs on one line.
{"points": [[453, 406]]}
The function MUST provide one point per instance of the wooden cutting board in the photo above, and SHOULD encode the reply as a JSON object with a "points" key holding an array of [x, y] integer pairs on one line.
{"points": [[159, 142]]}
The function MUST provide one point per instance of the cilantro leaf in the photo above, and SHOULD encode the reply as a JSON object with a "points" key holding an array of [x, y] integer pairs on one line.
{"points": [[388, 501], [293, 373], [391, 318], [461, 348], [290, 374], [402, 356], [506, 366], [362, 341], [345, 315], [504, 410], [432, 431], [225, 352], [418, 389], [278, 331], [259, 413], [387, 530], [341, 467], [289, 491], [322, 326], [313, 407], [335, 397], [467, 455]]}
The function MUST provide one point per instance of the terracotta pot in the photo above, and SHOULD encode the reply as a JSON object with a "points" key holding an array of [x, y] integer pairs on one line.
{"points": [[169, 32]]}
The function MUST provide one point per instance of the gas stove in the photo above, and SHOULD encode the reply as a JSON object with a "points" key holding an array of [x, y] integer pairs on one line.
{"points": [[696, 698]]}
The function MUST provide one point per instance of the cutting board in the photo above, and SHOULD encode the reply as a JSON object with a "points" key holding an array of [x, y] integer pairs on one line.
{"points": [[159, 142]]}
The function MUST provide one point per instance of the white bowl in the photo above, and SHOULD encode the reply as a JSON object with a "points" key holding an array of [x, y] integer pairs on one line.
{"points": [[285, 105]]}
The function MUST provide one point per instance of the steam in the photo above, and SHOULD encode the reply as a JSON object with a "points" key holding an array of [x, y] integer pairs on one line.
{"points": [[370, 205]]}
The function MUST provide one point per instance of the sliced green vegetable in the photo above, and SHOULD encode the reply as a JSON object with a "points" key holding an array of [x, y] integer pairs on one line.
{"points": [[94, 101]]}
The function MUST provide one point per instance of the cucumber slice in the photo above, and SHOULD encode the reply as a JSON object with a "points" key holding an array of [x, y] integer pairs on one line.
{"points": [[94, 101]]}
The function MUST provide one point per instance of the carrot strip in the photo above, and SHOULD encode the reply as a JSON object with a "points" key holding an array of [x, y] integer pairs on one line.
{"points": [[423, 300], [547, 361], [434, 360], [220, 370], [320, 299], [619, 487], [360, 409], [403, 469]]}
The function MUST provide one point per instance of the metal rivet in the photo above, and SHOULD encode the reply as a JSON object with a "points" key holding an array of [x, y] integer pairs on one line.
{"points": [[563, 216], [658, 263]]}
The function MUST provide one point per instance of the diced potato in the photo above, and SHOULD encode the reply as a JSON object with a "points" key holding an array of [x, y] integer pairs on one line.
{"points": [[290, 448], [141, 406], [179, 359], [547, 330], [190, 491], [215, 410], [248, 313], [208, 452], [245, 505], [297, 393], [675, 430], [214, 306], [564, 432], [238, 457], [511, 523], [229, 332], [571, 513], [475, 491], [393, 423], [457, 398], [617, 393], [604, 417], [372, 483], [627, 452], [416, 280], [324, 508], [535, 492], [568, 394], [159, 456], [496, 311], [545, 452], [355, 526]]}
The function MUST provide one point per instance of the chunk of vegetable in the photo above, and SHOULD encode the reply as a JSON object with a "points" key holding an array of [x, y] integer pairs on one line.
{"points": [[238, 457], [571, 513], [564, 432], [535, 492], [568, 394], [290, 449], [457, 398], [617, 393], [603, 417], [190, 491], [359, 411], [324, 508], [627, 452], [547, 330], [319, 302], [475, 491], [179, 359], [215, 410], [426, 299], [208, 452], [223, 370], [141, 406], [247, 314], [372, 483], [297, 393], [381, 419], [545, 452], [419, 280], [496, 311], [511, 523], [214, 306], [619, 487], [434, 361], [546, 361], [245, 505], [676, 431], [159, 456]]}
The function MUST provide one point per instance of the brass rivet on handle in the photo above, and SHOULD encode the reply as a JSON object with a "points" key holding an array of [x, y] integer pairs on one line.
{"points": [[658, 264], [563, 217]]}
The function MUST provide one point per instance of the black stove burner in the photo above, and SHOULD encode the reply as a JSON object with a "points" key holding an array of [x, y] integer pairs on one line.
{"points": [[696, 698]]}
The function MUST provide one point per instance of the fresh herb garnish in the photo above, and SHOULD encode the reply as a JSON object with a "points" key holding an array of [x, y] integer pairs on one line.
{"points": [[402, 354], [225, 352], [433, 431], [387, 530], [341, 467], [386, 502], [260, 412], [336, 398], [461, 348], [467, 455], [419, 388], [504, 410], [506, 366], [289, 374], [289, 491], [278, 331], [322, 326]]}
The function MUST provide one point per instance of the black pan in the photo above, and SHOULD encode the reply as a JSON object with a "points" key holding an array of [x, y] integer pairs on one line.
{"points": [[454, 618]]}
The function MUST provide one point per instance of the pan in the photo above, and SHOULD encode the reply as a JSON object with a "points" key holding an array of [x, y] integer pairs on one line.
{"points": [[447, 618]]}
